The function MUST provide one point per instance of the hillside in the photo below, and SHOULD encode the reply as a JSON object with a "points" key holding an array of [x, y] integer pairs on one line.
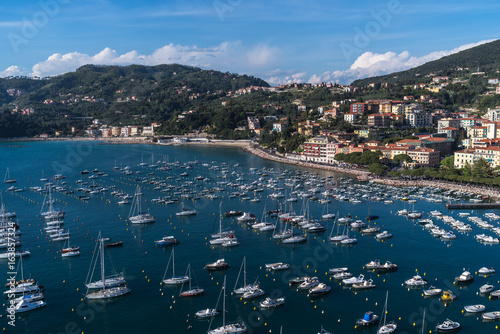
{"points": [[481, 58]]}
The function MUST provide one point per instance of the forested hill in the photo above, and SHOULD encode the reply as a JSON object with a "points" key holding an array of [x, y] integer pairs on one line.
{"points": [[136, 80], [481, 58]]}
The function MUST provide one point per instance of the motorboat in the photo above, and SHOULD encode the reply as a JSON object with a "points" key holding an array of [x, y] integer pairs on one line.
{"points": [[295, 239], [25, 305], [416, 281], [364, 285], [372, 264], [349, 241], [167, 240], [448, 326], [271, 303], [278, 266], [254, 293], [32, 297], [297, 280], [320, 289], [231, 243], [486, 271], [369, 319], [465, 277], [486, 288], [342, 275], [387, 266], [478, 308], [448, 296], [246, 217], [491, 316], [432, 291], [207, 313], [217, 265], [334, 271], [495, 294], [354, 280], [309, 282], [370, 230], [233, 213]]}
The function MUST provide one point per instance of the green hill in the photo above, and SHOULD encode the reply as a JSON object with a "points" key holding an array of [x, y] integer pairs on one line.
{"points": [[481, 58]]}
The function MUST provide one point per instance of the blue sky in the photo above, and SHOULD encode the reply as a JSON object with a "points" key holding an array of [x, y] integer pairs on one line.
{"points": [[279, 41]]}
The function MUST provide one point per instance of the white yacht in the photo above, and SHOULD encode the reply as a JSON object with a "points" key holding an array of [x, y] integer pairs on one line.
{"points": [[416, 281]]}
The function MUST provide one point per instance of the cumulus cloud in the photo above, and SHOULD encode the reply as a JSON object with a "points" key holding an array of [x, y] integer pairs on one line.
{"points": [[373, 64], [228, 56], [13, 71]]}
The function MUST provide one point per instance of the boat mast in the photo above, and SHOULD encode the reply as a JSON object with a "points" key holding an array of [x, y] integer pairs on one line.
{"points": [[224, 304], [102, 262], [173, 262], [244, 271]]}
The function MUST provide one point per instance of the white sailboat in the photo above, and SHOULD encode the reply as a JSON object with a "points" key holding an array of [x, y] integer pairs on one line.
{"points": [[384, 327], [7, 178], [70, 251], [110, 287], [246, 287], [191, 291], [185, 212], [221, 237], [136, 215], [51, 215], [235, 328], [4, 213], [174, 280]]}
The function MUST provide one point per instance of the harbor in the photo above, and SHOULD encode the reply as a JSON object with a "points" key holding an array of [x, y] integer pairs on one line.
{"points": [[218, 216]]}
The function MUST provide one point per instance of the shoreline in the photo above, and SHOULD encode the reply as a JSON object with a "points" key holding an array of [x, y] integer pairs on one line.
{"points": [[135, 140], [493, 194]]}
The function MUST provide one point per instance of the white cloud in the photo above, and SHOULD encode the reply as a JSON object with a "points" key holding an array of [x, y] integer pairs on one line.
{"points": [[373, 64], [228, 56], [13, 71]]}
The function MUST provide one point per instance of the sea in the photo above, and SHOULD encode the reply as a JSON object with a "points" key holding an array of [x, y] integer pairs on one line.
{"points": [[154, 308]]}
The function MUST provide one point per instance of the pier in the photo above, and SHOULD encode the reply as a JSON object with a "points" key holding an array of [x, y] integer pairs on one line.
{"points": [[463, 206]]}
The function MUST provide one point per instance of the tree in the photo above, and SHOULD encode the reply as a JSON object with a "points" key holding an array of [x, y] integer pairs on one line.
{"points": [[448, 162], [398, 159], [377, 168], [482, 169]]}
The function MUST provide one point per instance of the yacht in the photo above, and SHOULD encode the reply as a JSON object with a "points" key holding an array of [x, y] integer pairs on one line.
{"points": [[217, 265], [354, 280], [448, 326], [207, 313], [254, 293], [271, 303], [478, 308], [372, 264], [416, 281], [320, 289], [486, 288], [486, 271], [383, 235], [432, 291], [25, 305], [167, 240], [364, 285], [465, 277], [277, 266]]}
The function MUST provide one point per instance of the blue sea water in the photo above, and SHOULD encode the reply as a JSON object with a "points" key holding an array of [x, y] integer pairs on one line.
{"points": [[151, 308]]}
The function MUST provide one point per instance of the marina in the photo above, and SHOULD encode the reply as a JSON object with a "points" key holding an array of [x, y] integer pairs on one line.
{"points": [[213, 183]]}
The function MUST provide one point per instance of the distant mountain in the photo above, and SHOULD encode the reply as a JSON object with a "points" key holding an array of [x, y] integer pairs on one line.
{"points": [[481, 58], [137, 80]]}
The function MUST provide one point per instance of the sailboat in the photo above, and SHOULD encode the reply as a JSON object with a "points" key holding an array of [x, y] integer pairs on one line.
{"points": [[384, 327], [111, 290], [328, 215], [51, 215], [70, 251], [23, 286], [192, 291], [235, 328], [4, 214], [7, 178], [142, 161], [174, 280], [222, 238], [185, 212], [136, 216], [246, 287]]}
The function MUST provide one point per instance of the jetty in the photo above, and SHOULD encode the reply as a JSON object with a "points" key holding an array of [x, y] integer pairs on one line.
{"points": [[464, 206]]}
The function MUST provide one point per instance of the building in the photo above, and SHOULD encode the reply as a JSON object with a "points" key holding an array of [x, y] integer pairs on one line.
{"points": [[359, 108], [115, 131], [332, 113], [418, 119], [253, 123], [450, 132], [379, 120], [471, 155], [279, 127], [350, 117], [332, 148], [315, 149], [493, 114], [308, 128], [424, 157], [448, 122], [366, 133]]}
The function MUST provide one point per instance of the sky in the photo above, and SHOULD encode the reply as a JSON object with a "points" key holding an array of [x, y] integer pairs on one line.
{"points": [[280, 41]]}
